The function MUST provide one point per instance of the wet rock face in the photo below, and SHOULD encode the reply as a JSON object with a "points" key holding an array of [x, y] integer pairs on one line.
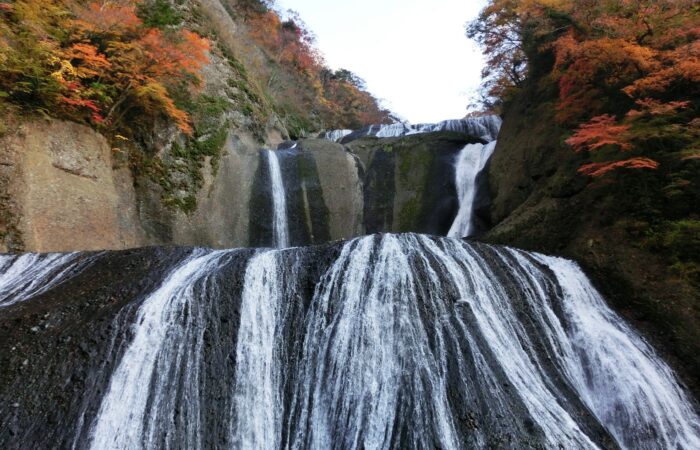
{"points": [[58, 349], [388, 341], [402, 184], [64, 194], [409, 181]]}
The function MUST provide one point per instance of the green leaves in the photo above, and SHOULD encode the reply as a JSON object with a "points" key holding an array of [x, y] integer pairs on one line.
{"points": [[159, 14]]}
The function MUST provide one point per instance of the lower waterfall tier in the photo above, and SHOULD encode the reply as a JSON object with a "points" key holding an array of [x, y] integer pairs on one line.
{"points": [[381, 342]]}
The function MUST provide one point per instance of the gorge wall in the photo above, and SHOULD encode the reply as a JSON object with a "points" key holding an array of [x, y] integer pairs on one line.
{"points": [[68, 190], [541, 203]]}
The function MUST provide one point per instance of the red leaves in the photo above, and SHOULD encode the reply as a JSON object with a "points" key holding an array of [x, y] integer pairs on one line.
{"points": [[81, 102], [95, 111], [600, 169], [600, 131], [604, 131]]}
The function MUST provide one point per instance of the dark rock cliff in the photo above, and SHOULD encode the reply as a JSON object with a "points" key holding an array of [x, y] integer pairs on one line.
{"points": [[409, 181], [541, 203]]}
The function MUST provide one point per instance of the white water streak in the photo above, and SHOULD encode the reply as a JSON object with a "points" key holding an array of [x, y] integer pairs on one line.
{"points": [[390, 324], [336, 135], [508, 342], [615, 372], [280, 227], [121, 422], [257, 399], [485, 127], [471, 161], [29, 275], [364, 346]]}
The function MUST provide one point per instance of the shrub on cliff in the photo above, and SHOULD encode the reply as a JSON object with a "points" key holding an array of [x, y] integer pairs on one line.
{"points": [[98, 61]]}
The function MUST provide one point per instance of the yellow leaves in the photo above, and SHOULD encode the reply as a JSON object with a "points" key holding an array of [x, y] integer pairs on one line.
{"points": [[154, 98], [65, 68]]}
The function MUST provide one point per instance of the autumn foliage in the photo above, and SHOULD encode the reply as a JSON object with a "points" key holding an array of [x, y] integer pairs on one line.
{"points": [[628, 72], [96, 60], [296, 74]]}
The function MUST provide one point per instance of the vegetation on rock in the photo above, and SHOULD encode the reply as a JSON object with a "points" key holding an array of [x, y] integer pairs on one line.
{"points": [[627, 77], [102, 62], [307, 94], [628, 73]]}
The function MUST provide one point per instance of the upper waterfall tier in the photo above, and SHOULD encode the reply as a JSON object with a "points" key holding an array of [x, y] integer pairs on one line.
{"points": [[484, 127], [382, 342]]}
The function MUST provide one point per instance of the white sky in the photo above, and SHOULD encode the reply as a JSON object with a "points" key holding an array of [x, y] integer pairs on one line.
{"points": [[413, 53]]}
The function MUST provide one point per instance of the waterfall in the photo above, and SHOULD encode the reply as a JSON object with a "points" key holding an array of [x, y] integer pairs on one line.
{"points": [[335, 135], [484, 127], [470, 163], [617, 374], [280, 227], [387, 342]]}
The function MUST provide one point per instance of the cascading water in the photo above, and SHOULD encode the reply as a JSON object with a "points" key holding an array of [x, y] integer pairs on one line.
{"points": [[280, 227], [335, 135], [470, 163], [136, 411], [382, 342], [485, 127]]}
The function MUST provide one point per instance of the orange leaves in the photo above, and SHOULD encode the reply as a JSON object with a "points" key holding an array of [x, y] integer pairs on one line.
{"points": [[154, 98], [649, 106], [628, 72], [289, 42], [600, 169], [599, 132], [175, 58], [78, 59], [87, 60], [586, 67], [265, 29], [138, 62], [108, 18]]}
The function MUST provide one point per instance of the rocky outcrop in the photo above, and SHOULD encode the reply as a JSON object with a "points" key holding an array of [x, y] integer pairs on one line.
{"points": [[221, 217], [65, 190], [324, 195], [409, 181]]}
